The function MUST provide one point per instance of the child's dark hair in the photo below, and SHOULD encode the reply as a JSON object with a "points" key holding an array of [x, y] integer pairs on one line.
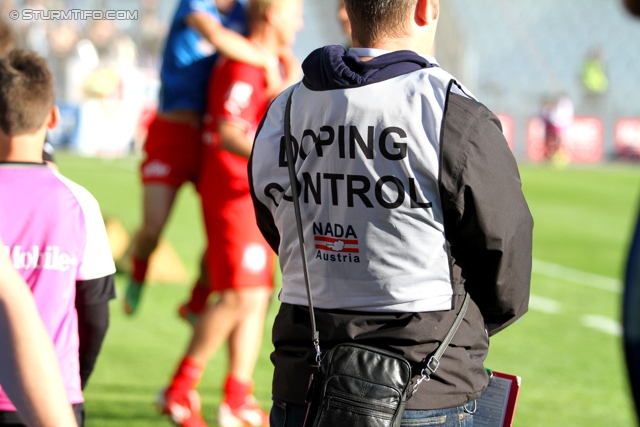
{"points": [[26, 92]]}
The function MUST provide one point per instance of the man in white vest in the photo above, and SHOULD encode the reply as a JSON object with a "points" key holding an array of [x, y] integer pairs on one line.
{"points": [[410, 196]]}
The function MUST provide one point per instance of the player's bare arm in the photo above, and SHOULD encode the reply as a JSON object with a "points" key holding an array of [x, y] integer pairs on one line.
{"points": [[234, 139], [234, 46]]}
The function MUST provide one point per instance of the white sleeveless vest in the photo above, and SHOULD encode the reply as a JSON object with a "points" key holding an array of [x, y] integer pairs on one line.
{"points": [[368, 165]]}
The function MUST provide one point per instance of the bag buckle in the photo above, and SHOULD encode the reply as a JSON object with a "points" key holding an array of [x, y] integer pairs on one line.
{"points": [[316, 345], [433, 364], [425, 374]]}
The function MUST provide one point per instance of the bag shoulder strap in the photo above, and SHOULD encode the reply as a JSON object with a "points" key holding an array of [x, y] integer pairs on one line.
{"points": [[296, 207]]}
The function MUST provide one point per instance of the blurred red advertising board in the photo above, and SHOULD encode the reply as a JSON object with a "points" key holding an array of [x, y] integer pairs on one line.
{"points": [[507, 127], [627, 137], [584, 142]]}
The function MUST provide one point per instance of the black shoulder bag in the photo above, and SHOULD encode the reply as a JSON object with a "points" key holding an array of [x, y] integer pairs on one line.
{"points": [[356, 385]]}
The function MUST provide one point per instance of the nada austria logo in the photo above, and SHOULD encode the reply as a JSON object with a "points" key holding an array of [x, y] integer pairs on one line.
{"points": [[335, 242]]}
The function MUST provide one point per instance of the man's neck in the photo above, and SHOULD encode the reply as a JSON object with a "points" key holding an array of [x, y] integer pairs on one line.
{"points": [[393, 45]]}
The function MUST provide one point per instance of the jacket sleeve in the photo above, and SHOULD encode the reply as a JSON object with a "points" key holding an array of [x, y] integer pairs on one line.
{"points": [[487, 221], [92, 305], [264, 217]]}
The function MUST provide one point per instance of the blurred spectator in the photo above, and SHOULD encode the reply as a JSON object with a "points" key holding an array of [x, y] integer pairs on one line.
{"points": [[97, 60], [62, 40], [594, 75], [557, 114], [35, 31], [103, 34], [150, 35]]}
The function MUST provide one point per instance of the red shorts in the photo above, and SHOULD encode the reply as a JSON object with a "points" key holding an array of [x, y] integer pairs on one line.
{"points": [[172, 153], [237, 254]]}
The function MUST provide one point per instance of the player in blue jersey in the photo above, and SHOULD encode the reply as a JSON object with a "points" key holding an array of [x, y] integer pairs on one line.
{"points": [[200, 30]]}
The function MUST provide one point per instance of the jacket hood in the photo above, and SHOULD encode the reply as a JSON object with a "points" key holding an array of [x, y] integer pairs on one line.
{"points": [[333, 67]]}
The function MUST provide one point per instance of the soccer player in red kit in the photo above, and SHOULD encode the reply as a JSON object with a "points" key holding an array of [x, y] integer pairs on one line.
{"points": [[201, 31]]}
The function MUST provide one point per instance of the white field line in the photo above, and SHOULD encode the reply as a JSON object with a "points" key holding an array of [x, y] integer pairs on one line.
{"points": [[545, 305], [603, 324], [597, 322], [576, 276], [600, 323]]}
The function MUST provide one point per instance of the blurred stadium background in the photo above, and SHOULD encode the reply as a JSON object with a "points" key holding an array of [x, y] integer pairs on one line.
{"points": [[513, 55]]}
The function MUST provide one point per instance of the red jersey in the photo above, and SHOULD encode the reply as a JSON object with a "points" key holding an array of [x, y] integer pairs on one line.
{"points": [[238, 96], [237, 255]]}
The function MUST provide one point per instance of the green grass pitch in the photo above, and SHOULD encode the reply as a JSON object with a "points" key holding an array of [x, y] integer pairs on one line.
{"points": [[567, 348]]}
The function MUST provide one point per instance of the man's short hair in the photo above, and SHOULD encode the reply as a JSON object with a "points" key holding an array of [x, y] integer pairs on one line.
{"points": [[7, 39], [26, 92], [257, 9], [372, 20]]}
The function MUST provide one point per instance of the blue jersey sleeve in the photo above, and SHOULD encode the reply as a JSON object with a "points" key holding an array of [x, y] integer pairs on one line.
{"points": [[188, 57], [187, 7]]}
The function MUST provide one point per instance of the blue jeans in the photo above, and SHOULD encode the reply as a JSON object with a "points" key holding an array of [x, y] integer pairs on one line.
{"points": [[291, 415]]}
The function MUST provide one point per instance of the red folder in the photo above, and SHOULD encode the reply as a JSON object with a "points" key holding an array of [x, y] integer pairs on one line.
{"points": [[497, 405]]}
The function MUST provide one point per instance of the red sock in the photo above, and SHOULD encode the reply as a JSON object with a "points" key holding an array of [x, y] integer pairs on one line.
{"points": [[199, 295], [236, 391], [187, 375], [139, 269]]}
